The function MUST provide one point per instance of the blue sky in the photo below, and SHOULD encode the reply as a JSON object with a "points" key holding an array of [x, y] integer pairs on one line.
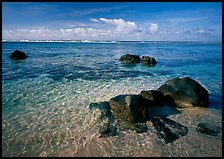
{"points": [[168, 21]]}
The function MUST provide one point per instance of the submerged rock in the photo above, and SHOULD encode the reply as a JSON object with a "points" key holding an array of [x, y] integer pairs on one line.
{"points": [[185, 92], [157, 97], [129, 108], [137, 127], [130, 58], [104, 107], [17, 55], [107, 118], [108, 130], [148, 60], [168, 129], [208, 128]]}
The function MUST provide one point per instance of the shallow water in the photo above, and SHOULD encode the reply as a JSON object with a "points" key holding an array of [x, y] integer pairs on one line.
{"points": [[45, 98]]}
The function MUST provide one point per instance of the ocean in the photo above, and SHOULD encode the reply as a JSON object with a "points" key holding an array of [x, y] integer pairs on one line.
{"points": [[45, 97]]}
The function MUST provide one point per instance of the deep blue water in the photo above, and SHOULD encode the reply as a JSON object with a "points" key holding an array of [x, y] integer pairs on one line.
{"points": [[49, 90]]}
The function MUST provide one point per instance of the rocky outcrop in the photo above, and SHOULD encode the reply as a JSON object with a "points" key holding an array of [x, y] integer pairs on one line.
{"points": [[130, 111], [157, 97], [185, 92], [130, 58], [17, 55], [146, 60]]}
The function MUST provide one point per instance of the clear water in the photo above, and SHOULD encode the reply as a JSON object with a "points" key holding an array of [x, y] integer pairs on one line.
{"points": [[45, 97]]}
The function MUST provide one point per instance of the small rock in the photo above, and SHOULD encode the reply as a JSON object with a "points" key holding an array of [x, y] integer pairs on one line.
{"points": [[17, 55], [130, 58], [148, 60]]}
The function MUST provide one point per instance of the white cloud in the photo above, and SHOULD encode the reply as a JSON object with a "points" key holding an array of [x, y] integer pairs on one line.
{"points": [[153, 27], [118, 22], [93, 19], [121, 27]]}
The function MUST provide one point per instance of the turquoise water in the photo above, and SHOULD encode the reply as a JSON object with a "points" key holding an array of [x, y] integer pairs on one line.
{"points": [[45, 97]]}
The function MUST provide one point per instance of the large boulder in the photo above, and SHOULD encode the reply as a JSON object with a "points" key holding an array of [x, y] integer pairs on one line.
{"points": [[185, 92], [148, 60], [17, 55], [157, 97], [130, 58], [130, 108]]}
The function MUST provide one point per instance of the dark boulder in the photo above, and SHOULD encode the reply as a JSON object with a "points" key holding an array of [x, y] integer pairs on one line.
{"points": [[17, 55], [130, 58], [157, 97], [148, 60], [185, 92], [168, 129], [129, 108]]}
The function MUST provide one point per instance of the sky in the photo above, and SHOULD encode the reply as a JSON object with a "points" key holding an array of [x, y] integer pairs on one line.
{"points": [[131, 21]]}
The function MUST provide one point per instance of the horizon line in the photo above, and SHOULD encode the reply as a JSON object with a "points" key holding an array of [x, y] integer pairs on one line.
{"points": [[89, 41]]}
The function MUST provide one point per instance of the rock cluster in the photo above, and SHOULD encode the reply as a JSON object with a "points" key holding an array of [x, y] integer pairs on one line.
{"points": [[130, 111], [146, 60]]}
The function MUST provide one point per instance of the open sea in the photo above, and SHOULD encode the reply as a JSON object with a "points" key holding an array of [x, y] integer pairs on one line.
{"points": [[45, 97]]}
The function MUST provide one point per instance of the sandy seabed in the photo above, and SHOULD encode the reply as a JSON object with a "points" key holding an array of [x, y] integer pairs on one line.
{"points": [[129, 143]]}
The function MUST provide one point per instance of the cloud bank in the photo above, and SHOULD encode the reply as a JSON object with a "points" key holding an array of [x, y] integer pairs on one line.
{"points": [[105, 29]]}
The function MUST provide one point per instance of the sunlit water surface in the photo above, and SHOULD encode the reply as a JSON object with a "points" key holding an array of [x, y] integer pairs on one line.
{"points": [[45, 97]]}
